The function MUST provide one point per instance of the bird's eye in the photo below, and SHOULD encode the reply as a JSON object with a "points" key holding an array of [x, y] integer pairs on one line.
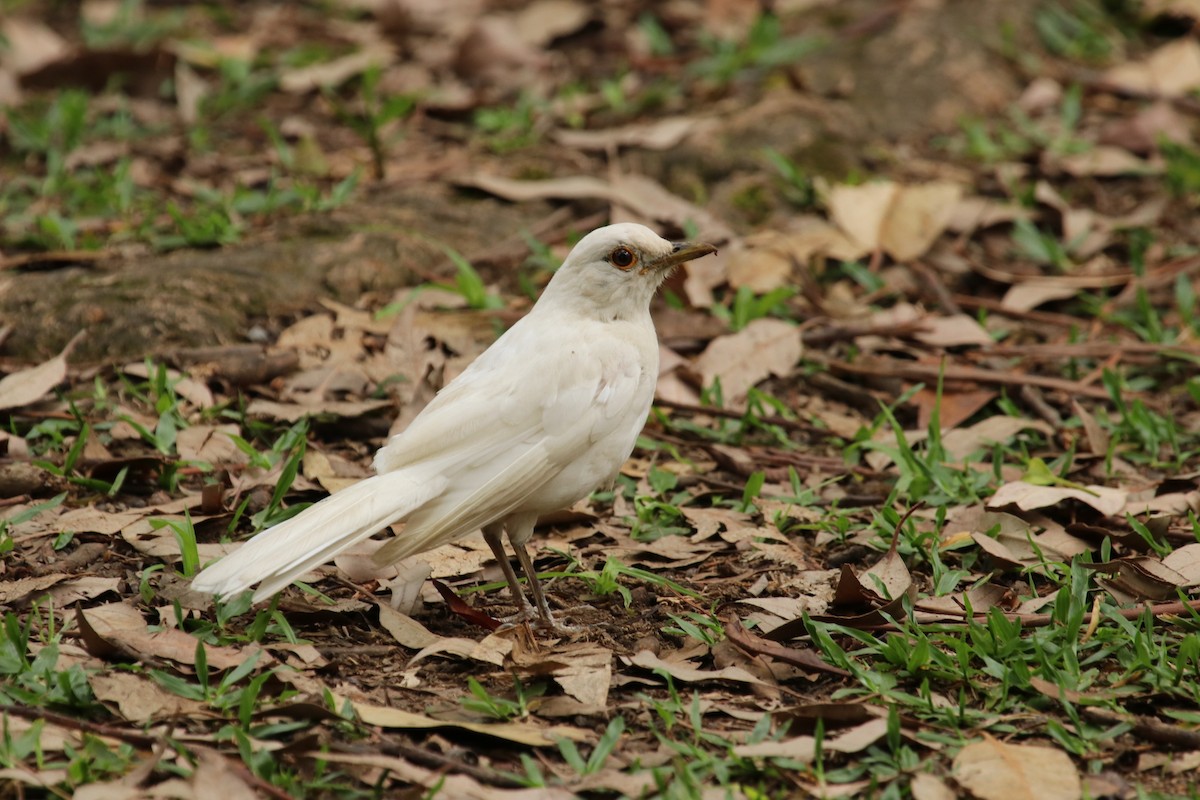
{"points": [[622, 258]]}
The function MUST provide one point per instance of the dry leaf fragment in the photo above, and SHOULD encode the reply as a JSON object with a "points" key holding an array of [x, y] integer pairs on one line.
{"points": [[763, 348], [993, 770]]}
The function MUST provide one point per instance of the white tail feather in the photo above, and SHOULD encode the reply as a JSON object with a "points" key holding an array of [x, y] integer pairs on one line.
{"points": [[279, 555]]}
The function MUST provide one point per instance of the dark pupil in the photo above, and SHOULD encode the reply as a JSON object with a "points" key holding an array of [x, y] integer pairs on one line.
{"points": [[622, 257]]}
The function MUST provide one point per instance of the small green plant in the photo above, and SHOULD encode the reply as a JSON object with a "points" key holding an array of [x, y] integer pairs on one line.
{"points": [[600, 753], [469, 284], [704, 628], [764, 47], [746, 306], [1081, 30], [799, 189], [501, 708], [375, 113], [510, 127]]}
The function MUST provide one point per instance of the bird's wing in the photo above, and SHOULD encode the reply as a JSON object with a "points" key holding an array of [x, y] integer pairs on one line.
{"points": [[529, 384], [531, 428]]}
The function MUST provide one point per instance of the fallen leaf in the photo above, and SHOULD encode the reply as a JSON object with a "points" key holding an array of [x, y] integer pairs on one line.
{"points": [[120, 627], [993, 770], [903, 221], [21, 388], [139, 699], [518, 732], [740, 360], [659, 134], [683, 671], [1027, 496], [332, 74], [404, 629], [1172, 70]]}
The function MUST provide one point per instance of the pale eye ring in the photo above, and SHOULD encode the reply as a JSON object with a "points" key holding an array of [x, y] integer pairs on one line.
{"points": [[622, 258]]}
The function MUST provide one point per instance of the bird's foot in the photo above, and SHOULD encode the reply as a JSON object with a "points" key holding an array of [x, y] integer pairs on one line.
{"points": [[539, 622]]}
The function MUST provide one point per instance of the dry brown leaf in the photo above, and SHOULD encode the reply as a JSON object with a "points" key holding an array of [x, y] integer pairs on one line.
{"points": [[214, 779], [542, 21], [993, 770], [766, 261], [684, 671], [85, 587], [290, 412], [953, 331], [139, 699], [972, 213], [29, 45], [27, 386], [1028, 496], [16, 591], [1185, 561], [210, 443], [93, 520], [1172, 70], [926, 786], [120, 626], [520, 732], [404, 629], [587, 674], [1028, 295], [961, 443], [763, 348], [903, 221], [658, 134], [1101, 161], [332, 74]]}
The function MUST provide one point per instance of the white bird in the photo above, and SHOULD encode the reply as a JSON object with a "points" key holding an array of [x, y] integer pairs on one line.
{"points": [[542, 418]]}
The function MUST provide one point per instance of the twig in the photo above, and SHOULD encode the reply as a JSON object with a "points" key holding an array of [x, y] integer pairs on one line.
{"points": [[429, 758], [937, 286], [921, 372], [1149, 729], [988, 304], [1033, 396], [95, 728], [1051, 352], [758, 646]]}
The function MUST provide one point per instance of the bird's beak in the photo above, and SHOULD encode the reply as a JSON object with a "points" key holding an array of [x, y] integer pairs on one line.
{"points": [[681, 252]]}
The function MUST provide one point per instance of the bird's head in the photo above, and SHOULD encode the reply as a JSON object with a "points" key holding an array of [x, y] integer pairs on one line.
{"points": [[614, 271]]}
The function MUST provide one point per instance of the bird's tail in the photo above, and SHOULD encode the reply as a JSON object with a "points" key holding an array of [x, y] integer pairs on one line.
{"points": [[278, 555]]}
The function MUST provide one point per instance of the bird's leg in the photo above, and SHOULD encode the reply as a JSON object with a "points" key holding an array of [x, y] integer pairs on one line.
{"points": [[534, 584], [520, 530], [493, 535]]}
